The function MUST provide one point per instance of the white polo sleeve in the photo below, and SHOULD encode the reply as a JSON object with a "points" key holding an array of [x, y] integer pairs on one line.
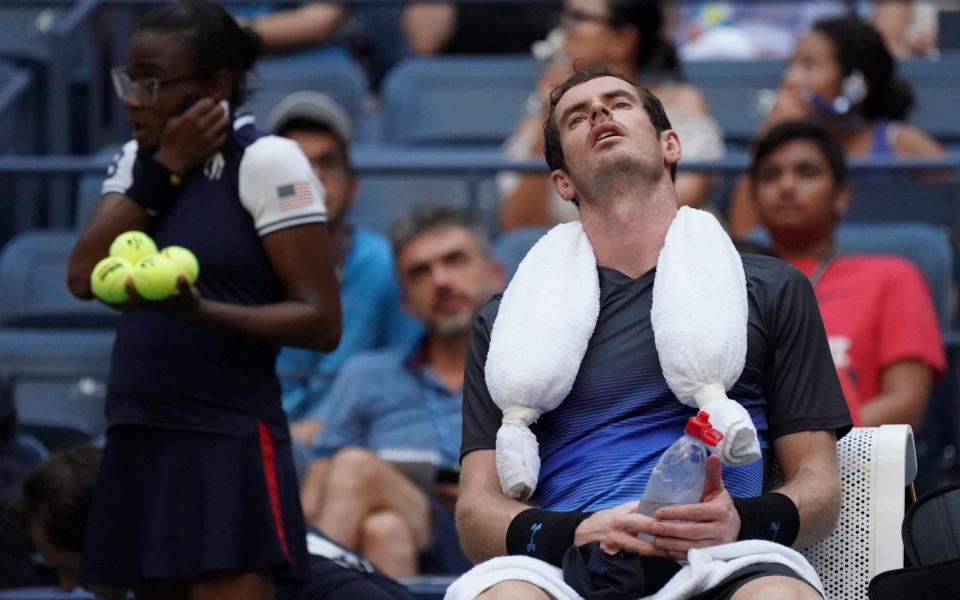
{"points": [[120, 172], [277, 186]]}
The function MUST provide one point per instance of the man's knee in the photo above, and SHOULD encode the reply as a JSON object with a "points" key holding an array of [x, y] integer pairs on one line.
{"points": [[353, 468], [514, 590], [776, 586], [385, 528]]}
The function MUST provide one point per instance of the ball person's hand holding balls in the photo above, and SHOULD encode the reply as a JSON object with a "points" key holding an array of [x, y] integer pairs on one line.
{"points": [[133, 255]]}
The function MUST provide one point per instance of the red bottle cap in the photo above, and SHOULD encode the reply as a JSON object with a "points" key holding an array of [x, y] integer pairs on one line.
{"points": [[700, 428]]}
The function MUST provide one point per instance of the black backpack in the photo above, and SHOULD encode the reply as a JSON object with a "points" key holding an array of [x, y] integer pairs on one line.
{"points": [[931, 542]]}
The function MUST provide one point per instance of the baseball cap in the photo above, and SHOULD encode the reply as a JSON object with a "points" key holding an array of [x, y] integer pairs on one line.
{"points": [[311, 106]]}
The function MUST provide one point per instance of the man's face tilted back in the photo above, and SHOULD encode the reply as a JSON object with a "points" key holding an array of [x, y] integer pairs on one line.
{"points": [[796, 193], [604, 129], [445, 278]]}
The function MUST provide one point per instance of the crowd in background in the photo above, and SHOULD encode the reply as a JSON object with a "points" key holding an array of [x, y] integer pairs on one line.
{"points": [[376, 423]]}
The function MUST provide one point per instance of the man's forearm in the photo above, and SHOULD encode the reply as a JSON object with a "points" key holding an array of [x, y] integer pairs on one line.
{"points": [[482, 522], [811, 480]]}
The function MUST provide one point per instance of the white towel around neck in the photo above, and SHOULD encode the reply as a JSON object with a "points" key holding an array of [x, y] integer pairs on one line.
{"points": [[549, 311]]}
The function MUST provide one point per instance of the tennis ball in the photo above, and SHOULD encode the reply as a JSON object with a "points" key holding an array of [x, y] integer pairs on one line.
{"points": [[184, 261], [132, 245], [155, 277], [108, 280]]}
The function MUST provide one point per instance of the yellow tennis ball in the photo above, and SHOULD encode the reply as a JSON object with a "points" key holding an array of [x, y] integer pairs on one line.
{"points": [[132, 245], [155, 277], [184, 261], [108, 280]]}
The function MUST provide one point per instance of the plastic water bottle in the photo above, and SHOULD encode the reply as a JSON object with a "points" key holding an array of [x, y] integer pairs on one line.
{"points": [[679, 474]]}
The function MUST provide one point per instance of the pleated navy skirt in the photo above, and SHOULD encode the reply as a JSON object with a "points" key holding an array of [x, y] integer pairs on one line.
{"points": [[174, 506]]}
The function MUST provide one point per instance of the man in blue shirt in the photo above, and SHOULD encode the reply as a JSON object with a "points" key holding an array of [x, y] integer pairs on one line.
{"points": [[372, 316], [389, 451]]}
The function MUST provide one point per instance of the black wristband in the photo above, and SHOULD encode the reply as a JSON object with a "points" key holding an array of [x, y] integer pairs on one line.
{"points": [[543, 534], [772, 516], [154, 187]]}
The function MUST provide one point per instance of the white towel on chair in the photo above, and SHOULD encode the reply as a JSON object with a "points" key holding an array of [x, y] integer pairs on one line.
{"points": [[706, 568]]}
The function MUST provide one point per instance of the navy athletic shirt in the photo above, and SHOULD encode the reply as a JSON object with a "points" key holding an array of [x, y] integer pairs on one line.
{"points": [[168, 372], [598, 447]]}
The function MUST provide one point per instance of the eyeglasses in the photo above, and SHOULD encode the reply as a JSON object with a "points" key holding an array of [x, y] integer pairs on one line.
{"points": [[573, 16], [146, 88]]}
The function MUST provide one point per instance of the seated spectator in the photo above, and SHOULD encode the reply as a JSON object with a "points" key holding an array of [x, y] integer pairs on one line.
{"points": [[909, 27], [309, 24], [56, 499], [626, 36], [877, 311], [843, 77], [393, 426], [372, 315], [746, 29], [433, 28]]}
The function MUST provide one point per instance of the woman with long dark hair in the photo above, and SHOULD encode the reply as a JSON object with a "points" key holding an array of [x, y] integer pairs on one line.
{"points": [[843, 77]]}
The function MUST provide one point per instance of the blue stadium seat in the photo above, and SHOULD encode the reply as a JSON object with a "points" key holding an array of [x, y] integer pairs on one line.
{"points": [[33, 289], [329, 71], [511, 246], [18, 116], [924, 244], [740, 93], [927, 246], [883, 200], [456, 100], [382, 198], [936, 86]]}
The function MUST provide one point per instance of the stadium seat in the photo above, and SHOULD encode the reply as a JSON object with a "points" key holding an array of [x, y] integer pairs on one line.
{"points": [[33, 289], [927, 246], [331, 72], [924, 244], [382, 198], [456, 100], [739, 93], [18, 118], [884, 200], [936, 86]]}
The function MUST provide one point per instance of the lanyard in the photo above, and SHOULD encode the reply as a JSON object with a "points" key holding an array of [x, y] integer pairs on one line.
{"points": [[821, 267]]}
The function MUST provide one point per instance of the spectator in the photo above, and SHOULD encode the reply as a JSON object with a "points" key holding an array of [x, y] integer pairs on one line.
{"points": [[741, 29], [877, 312], [433, 28], [611, 147], [843, 77], [56, 499], [310, 24], [909, 27], [394, 417], [627, 37], [372, 315]]}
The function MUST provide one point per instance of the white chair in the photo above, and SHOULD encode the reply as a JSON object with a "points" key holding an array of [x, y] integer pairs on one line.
{"points": [[876, 465]]}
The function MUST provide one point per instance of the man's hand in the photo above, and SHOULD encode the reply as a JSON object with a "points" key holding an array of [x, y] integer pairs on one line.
{"points": [[712, 522], [190, 139], [616, 529]]}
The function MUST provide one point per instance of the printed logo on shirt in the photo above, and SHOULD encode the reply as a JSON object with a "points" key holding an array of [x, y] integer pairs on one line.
{"points": [[294, 195], [213, 168], [840, 350]]}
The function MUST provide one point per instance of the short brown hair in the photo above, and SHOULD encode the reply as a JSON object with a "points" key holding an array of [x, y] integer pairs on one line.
{"points": [[553, 150]]}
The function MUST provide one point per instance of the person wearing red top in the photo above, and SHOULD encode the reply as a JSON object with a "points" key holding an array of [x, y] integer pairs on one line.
{"points": [[876, 310]]}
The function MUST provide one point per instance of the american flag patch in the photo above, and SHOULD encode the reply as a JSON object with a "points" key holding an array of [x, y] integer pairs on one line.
{"points": [[294, 195]]}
